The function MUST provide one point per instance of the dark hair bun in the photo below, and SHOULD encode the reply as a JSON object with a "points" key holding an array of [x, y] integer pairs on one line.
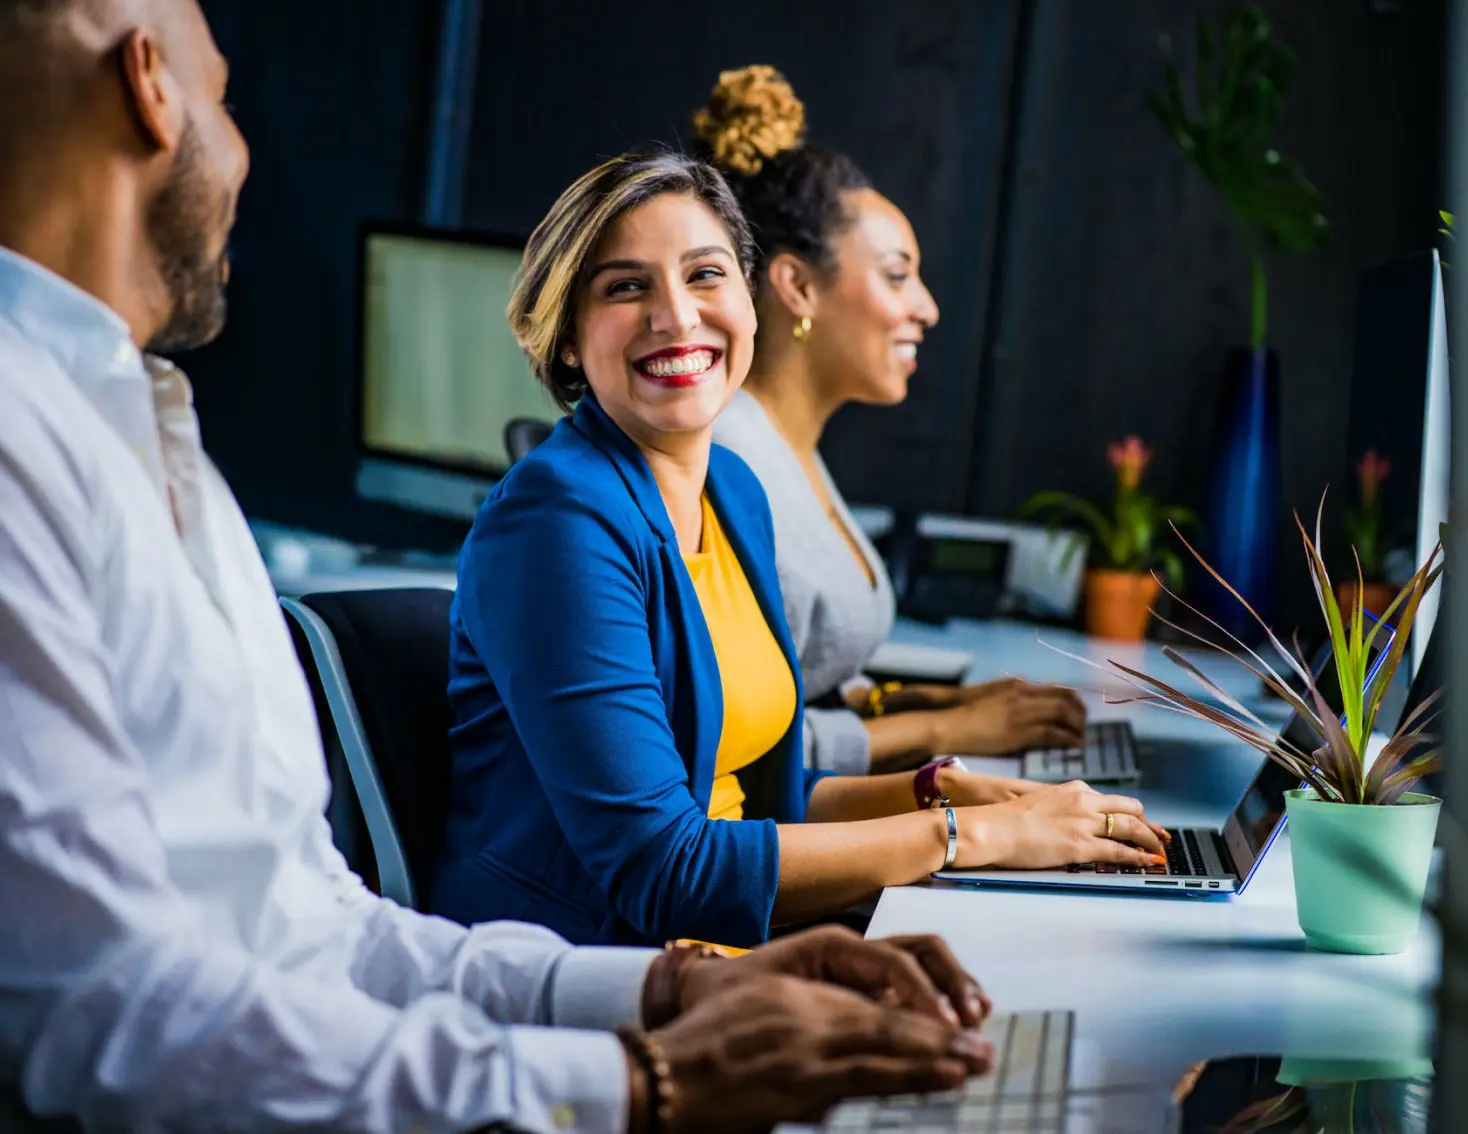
{"points": [[752, 116]]}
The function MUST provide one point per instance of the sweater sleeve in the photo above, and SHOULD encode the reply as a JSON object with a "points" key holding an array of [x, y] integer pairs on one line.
{"points": [[836, 740], [553, 602]]}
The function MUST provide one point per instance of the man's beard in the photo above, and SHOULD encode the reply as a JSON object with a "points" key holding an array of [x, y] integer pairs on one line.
{"points": [[182, 222]]}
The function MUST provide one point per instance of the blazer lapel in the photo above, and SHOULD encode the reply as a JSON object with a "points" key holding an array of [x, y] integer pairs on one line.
{"points": [[592, 421], [696, 697]]}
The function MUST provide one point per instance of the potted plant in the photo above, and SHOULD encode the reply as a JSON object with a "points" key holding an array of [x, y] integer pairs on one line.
{"points": [[1240, 77], [1119, 585], [1364, 530], [1361, 838]]}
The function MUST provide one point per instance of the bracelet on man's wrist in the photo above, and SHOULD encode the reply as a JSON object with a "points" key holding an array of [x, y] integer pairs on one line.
{"points": [[662, 1092]]}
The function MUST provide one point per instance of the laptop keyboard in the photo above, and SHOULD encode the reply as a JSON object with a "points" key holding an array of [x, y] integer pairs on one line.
{"points": [[1023, 1094], [1109, 751], [1184, 860]]}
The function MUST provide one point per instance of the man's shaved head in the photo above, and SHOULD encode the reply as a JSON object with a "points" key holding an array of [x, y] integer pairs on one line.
{"points": [[113, 123]]}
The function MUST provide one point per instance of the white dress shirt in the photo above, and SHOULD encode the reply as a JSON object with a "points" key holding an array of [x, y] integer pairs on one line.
{"points": [[182, 945]]}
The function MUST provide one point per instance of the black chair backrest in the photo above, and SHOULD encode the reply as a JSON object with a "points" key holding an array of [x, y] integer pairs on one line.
{"points": [[523, 434], [394, 645]]}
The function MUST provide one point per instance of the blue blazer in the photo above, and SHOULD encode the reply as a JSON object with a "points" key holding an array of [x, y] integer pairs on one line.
{"points": [[587, 708]]}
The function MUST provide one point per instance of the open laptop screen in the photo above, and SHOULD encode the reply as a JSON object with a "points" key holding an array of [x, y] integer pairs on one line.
{"points": [[1262, 809]]}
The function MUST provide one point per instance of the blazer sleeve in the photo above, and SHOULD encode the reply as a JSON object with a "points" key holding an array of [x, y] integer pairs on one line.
{"points": [[553, 601]]}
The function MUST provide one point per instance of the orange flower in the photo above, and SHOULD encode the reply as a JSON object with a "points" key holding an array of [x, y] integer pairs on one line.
{"points": [[1372, 469], [1129, 458]]}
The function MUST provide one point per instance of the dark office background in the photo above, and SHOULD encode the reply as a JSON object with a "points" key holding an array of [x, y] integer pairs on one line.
{"points": [[1090, 280]]}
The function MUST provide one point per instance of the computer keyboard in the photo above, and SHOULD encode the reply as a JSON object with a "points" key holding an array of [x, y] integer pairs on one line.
{"points": [[1023, 1094], [1108, 756], [1184, 860]]}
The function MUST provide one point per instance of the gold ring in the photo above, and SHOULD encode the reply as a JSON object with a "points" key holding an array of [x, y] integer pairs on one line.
{"points": [[1110, 824]]}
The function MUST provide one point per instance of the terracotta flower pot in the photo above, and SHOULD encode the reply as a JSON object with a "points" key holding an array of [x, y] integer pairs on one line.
{"points": [[1377, 596], [1118, 603]]}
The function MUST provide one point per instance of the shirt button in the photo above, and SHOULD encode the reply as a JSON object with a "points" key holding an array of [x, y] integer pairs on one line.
{"points": [[564, 1116]]}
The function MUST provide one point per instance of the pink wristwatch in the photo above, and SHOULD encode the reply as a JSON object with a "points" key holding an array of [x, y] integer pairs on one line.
{"points": [[925, 785]]}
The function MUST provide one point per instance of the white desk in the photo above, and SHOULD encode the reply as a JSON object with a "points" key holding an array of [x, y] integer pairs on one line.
{"points": [[1159, 983]]}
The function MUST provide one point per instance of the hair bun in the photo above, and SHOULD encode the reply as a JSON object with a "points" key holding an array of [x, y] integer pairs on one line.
{"points": [[752, 116]]}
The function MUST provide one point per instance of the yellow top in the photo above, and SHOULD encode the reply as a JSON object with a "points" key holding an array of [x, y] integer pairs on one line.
{"points": [[759, 689]]}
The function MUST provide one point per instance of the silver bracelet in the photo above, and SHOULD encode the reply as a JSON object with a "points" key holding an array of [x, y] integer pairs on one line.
{"points": [[952, 855]]}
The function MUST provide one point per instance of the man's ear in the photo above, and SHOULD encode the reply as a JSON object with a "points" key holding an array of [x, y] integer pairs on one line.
{"points": [[152, 91]]}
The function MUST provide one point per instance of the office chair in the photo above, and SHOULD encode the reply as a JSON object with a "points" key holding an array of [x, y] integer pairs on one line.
{"points": [[380, 659], [523, 434]]}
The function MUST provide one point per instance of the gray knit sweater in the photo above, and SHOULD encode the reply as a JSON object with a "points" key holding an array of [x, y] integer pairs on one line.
{"points": [[837, 617]]}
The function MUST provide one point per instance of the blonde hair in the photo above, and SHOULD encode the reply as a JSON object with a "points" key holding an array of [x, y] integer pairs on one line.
{"points": [[752, 116], [542, 308]]}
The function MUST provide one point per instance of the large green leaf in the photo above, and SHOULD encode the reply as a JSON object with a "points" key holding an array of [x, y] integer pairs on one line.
{"points": [[1239, 83]]}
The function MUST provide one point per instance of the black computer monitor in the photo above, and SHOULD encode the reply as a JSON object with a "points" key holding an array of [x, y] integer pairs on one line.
{"points": [[1399, 406]]}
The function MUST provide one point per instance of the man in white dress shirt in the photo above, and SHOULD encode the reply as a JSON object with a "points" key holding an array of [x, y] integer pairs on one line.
{"points": [[182, 946]]}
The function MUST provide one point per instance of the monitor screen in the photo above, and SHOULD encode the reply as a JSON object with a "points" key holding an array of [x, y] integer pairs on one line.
{"points": [[441, 373], [970, 556]]}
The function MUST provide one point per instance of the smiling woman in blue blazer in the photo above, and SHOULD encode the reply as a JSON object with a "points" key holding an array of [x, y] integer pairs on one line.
{"points": [[622, 678]]}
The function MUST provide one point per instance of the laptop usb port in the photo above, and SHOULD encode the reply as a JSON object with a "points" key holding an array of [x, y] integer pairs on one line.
{"points": [[1193, 885]]}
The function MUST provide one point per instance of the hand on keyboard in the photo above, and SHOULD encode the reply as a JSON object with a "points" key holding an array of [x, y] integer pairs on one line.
{"points": [[778, 1049], [916, 972], [1057, 828], [1010, 716]]}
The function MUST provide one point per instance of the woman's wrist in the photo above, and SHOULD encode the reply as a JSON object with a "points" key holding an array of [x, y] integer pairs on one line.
{"points": [[979, 838], [938, 834], [936, 696], [950, 780], [939, 732]]}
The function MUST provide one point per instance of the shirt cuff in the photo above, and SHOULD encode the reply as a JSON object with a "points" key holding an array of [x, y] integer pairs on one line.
{"points": [[837, 741], [599, 988], [568, 1081]]}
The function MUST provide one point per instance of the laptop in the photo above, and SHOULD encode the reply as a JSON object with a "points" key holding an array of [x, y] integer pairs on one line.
{"points": [[1202, 860], [1108, 756]]}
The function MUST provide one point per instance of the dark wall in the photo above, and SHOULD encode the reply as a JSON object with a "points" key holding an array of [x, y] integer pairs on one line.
{"points": [[1124, 281], [332, 96], [915, 93], [1110, 269]]}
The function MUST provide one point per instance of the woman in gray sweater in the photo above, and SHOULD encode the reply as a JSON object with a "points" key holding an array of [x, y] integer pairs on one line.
{"points": [[842, 311]]}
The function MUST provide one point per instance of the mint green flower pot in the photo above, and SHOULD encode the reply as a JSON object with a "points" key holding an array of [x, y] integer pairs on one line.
{"points": [[1360, 872]]}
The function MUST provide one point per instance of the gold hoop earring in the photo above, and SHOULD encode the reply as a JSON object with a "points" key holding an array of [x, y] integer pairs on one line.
{"points": [[802, 328], [568, 356]]}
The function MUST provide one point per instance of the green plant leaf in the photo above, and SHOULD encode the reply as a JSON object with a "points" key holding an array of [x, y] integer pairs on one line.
{"points": [[1409, 599], [1273, 639], [1401, 783], [1063, 503], [1241, 77]]}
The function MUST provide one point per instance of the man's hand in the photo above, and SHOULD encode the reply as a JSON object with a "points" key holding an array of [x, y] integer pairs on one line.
{"points": [[917, 973], [769, 1049]]}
